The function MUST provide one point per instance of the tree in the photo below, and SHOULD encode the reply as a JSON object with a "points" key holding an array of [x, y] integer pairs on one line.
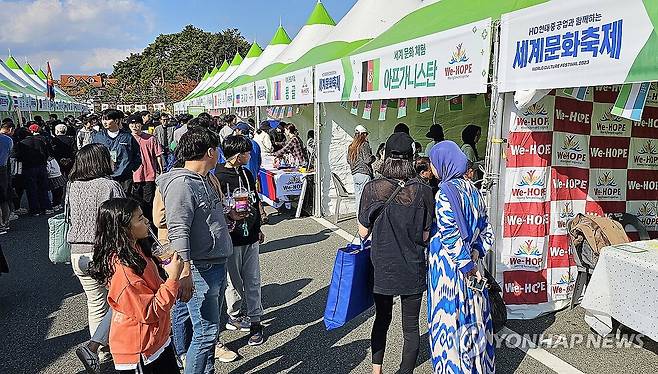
{"points": [[170, 67]]}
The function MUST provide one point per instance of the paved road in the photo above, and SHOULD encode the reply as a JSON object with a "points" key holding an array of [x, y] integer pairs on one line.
{"points": [[43, 315]]}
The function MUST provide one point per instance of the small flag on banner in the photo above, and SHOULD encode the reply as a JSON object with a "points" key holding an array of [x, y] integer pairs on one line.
{"points": [[631, 100], [423, 104], [343, 104], [456, 104], [289, 113], [382, 110], [402, 108], [370, 75], [578, 93], [297, 109], [355, 108], [367, 110]]}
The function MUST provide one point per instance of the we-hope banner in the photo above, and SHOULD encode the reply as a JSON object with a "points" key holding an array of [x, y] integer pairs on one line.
{"points": [[292, 88], [4, 103], [451, 62], [566, 43], [566, 157]]}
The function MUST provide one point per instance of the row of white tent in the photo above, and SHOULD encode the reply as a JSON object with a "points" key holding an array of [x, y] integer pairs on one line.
{"points": [[25, 89]]}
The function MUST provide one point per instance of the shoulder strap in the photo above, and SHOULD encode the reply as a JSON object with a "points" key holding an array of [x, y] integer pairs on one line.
{"points": [[397, 190]]}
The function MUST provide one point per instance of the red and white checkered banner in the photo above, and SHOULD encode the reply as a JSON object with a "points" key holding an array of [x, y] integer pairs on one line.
{"points": [[566, 157]]}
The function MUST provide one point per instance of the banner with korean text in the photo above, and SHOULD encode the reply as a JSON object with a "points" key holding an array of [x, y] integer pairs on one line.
{"points": [[450, 62], [566, 43], [565, 157], [244, 95], [292, 88]]}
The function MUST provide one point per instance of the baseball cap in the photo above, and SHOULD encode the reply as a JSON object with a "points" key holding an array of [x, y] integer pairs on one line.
{"points": [[360, 130], [243, 127], [135, 118], [400, 146], [33, 128]]}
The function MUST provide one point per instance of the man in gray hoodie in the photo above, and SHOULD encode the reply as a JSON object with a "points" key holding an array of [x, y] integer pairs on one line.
{"points": [[197, 229]]}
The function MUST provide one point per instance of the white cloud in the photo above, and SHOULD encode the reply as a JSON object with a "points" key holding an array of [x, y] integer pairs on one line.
{"points": [[77, 35], [102, 59]]}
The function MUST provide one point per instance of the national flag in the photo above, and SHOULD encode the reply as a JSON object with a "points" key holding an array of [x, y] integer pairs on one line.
{"points": [[578, 93], [370, 75], [367, 110], [355, 108], [50, 84], [456, 104], [297, 109], [343, 104], [423, 104], [382, 110], [277, 90], [631, 100], [402, 108], [289, 114]]}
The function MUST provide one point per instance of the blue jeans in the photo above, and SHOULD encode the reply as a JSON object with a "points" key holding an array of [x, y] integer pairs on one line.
{"points": [[204, 308], [360, 181], [181, 327]]}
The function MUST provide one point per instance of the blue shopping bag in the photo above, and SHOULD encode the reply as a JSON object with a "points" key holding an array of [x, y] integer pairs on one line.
{"points": [[350, 291]]}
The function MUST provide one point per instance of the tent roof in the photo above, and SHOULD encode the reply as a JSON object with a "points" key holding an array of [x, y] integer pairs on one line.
{"points": [[364, 21], [41, 74], [441, 16], [320, 16], [254, 51], [224, 66], [267, 57], [280, 37], [237, 60]]}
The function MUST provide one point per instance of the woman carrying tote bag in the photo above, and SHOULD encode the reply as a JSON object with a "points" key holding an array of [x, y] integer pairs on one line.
{"points": [[399, 232]]}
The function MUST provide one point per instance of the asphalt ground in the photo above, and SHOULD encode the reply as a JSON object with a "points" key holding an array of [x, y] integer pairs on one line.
{"points": [[43, 315]]}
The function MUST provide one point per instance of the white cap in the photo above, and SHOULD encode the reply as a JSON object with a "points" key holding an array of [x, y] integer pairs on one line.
{"points": [[360, 130]]}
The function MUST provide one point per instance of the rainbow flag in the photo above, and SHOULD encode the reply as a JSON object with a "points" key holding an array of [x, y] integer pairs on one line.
{"points": [[50, 84]]}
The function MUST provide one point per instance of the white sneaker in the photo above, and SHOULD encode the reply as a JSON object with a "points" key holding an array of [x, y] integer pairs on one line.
{"points": [[21, 211], [49, 211], [223, 354], [13, 217]]}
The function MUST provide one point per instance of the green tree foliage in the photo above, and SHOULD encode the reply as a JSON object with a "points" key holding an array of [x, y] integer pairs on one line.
{"points": [[179, 59]]}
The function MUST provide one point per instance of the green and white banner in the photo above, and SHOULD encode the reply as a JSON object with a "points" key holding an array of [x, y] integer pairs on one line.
{"points": [[4, 103], [292, 88], [244, 96], [450, 62], [566, 43]]}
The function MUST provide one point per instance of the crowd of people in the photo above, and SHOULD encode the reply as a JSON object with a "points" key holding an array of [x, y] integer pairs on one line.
{"points": [[165, 224]]}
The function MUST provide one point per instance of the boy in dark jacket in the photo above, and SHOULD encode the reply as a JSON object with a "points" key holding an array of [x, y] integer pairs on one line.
{"points": [[243, 266], [123, 148]]}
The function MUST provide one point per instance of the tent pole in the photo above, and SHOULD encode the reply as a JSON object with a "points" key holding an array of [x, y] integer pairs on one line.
{"points": [[494, 142], [317, 199], [256, 111]]}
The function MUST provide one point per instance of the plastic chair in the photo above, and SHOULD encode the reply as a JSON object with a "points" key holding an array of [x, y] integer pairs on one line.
{"points": [[342, 193], [627, 219]]}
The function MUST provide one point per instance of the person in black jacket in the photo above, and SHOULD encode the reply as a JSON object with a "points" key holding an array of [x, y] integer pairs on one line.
{"points": [[33, 152], [243, 266]]}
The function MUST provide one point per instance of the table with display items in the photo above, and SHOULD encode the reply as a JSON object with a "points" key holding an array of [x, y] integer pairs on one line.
{"points": [[624, 286], [277, 186]]}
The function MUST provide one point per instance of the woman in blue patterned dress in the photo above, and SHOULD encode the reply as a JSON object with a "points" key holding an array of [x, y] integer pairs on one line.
{"points": [[459, 318]]}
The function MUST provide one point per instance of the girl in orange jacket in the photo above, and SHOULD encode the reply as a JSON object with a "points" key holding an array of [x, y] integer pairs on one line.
{"points": [[141, 301]]}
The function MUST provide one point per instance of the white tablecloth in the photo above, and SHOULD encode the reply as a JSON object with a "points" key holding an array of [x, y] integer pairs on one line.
{"points": [[624, 286]]}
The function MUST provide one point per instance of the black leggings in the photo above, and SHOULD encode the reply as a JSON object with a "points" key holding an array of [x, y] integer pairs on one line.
{"points": [[165, 364], [410, 329]]}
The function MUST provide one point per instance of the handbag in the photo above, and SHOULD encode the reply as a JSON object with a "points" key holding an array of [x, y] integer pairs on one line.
{"points": [[350, 291], [497, 305], [59, 249]]}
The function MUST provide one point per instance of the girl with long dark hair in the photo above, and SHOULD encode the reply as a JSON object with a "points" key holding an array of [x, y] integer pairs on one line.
{"points": [[360, 159], [90, 185], [140, 299]]}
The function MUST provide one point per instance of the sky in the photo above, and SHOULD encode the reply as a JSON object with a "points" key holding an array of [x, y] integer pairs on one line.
{"points": [[89, 36]]}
